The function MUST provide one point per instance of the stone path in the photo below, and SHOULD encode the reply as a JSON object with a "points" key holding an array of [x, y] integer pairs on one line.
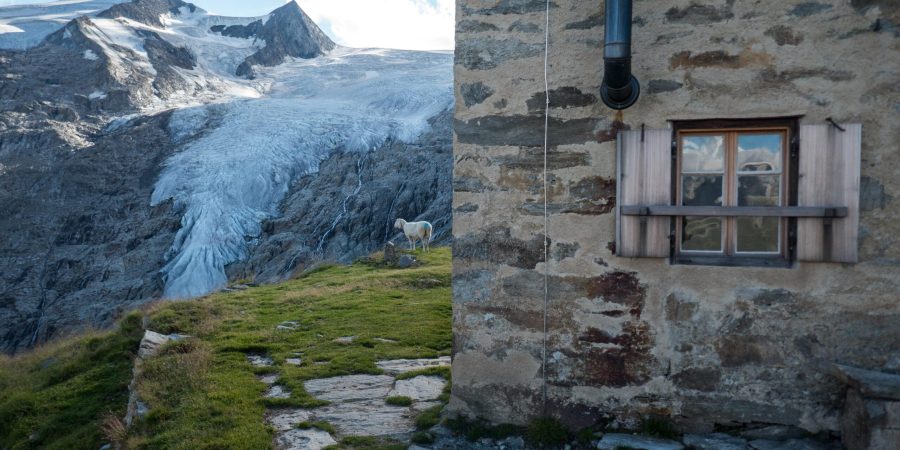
{"points": [[357, 403]]}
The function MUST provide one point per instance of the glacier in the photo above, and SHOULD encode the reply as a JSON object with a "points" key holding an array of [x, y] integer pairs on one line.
{"points": [[239, 157]]}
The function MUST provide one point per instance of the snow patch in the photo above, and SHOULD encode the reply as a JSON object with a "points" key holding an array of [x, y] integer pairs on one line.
{"points": [[97, 95], [6, 28], [90, 55]]}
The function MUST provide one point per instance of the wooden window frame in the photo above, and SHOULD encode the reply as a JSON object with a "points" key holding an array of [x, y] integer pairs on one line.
{"points": [[786, 257]]}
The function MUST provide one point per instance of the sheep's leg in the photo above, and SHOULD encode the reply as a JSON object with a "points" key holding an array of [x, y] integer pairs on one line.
{"points": [[412, 244]]}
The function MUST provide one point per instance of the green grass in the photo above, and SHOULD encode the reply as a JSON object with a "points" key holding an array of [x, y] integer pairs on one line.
{"points": [[439, 371], [546, 432], [324, 426], [398, 400], [203, 393], [56, 397]]}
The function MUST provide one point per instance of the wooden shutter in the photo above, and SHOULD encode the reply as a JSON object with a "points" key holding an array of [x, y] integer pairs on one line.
{"points": [[644, 174], [829, 176]]}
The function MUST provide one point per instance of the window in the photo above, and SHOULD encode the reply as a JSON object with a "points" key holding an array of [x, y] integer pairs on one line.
{"points": [[734, 164], [732, 167], [757, 192]]}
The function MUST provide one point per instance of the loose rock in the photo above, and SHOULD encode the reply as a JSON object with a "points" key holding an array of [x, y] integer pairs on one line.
{"points": [[287, 326], [269, 379], [259, 360]]}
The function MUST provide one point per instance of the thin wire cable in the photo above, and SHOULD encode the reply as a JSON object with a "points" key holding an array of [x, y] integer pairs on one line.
{"points": [[546, 194]]}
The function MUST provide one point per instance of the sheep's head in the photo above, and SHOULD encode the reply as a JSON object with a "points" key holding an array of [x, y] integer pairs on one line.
{"points": [[399, 223]]}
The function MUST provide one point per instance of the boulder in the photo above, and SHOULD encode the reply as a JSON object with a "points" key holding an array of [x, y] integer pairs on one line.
{"points": [[870, 424], [871, 416], [391, 255], [406, 261]]}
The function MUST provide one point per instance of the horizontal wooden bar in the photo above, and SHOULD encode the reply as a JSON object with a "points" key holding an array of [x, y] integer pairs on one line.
{"points": [[736, 211]]}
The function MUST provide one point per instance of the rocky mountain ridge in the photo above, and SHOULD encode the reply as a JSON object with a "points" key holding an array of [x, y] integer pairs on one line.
{"points": [[139, 160]]}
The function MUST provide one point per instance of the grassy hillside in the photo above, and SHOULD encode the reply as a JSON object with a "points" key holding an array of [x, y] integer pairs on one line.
{"points": [[202, 391]]}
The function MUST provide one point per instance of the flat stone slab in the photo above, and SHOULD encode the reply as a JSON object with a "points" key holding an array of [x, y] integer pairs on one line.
{"points": [[419, 388], [259, 360], [345, 340], [351, 388], [715, 441], [293, 361], [287, 419], [278, 391], [611, 441], [311, 439], [367, 418], [398, 366]]}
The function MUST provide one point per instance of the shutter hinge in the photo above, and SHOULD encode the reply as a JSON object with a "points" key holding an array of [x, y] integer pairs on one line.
{"points": [[835, 124]]}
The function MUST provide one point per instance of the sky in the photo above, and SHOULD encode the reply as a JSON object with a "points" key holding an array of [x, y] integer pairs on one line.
{"points": [[404, 24]]}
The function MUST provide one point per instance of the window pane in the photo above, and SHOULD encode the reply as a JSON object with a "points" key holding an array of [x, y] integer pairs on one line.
{"points": [[757, 234], [701, 234], [703, 154], [701, 190], [759, 153], [759, 190]]}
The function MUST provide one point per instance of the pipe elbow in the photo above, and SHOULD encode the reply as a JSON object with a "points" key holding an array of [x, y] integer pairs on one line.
{"points": [[619, 89]]}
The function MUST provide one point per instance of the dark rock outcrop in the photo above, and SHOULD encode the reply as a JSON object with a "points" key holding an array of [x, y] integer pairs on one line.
{"points": [[287, 32], [146, 11]]}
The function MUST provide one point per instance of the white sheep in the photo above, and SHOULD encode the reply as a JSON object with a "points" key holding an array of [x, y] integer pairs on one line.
{"points": [[415, 231]]}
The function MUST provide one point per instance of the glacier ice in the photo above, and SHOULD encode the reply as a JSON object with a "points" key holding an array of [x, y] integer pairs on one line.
{"points": [[232, 172]]}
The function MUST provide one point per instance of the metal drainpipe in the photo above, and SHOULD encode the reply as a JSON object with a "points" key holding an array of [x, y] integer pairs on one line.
{"points": [[620, 89]]}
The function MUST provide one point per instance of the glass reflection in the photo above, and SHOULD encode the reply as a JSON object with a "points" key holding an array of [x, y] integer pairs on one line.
{"points": [[701, 234], [759, 190], [701, 190], [758, 234], [759, 153], [703, 154]]}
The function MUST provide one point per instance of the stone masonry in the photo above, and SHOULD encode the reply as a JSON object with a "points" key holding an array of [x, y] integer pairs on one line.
{"points": [[630, 338]]}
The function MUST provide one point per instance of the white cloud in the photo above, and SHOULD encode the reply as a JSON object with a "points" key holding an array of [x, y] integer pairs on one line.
{"points": [[403, 24]]}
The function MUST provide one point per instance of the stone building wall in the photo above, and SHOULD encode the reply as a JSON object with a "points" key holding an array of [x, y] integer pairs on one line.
{"points": [[634, 337]]}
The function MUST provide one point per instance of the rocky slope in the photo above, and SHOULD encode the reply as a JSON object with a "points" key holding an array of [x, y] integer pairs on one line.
{"points": [[148, 147]]}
